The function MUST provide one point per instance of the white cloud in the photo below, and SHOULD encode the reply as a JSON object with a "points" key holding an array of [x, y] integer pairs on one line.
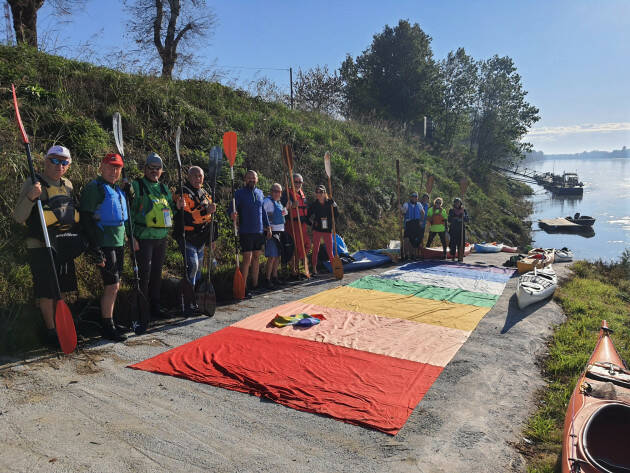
{"points": [[546, 133]]}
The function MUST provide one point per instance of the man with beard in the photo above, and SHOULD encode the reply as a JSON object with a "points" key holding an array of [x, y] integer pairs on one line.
{"points": [[253, 225]]}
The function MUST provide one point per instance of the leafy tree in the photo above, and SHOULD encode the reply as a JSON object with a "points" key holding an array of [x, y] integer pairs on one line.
{"points": [[319, 90], [396, 78], [501, 115], [24, 13], [459, 73], [172, 27]]}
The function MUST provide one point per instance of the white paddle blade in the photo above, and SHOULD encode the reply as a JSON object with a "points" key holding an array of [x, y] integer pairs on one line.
{"points": [[327, 163], [178, 135], [117, 126]]}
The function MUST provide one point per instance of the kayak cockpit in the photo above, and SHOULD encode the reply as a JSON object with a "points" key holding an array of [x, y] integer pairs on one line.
{"points": [[605, 438]]}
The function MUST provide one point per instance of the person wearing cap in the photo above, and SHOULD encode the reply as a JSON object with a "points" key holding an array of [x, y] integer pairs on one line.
{"points": [[58, 202], [320, 214], [152, 215], [104, 220], [276, 212], [414, 215], [198, 209], [253, 224], [457, 218], [297, 205], [436, 218]]}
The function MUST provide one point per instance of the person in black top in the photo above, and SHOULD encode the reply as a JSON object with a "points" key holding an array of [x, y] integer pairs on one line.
{"points": [[319, 213]]}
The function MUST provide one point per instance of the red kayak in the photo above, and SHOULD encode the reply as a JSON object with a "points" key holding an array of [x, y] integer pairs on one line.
{"points": [[597, 424], [437, 252]]}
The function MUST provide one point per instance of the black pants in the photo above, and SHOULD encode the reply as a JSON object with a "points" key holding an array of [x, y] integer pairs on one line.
{"points": [[150, 259], [442, 236], [456, 242]]}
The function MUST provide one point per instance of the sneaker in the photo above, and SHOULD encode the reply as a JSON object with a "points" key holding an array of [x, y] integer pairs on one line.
{"points": [[111, 332], [278, 282], [52, 340], [157, 312], [248, 295], [268, 284]]}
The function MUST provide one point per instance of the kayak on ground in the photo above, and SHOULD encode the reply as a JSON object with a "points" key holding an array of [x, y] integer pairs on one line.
{"points": [[535, 286], [493, 247], [362, 259]]}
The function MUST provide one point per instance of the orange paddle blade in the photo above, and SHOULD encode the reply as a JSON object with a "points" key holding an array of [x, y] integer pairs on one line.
{"points": [[287, 156], [17, 115], [430, 184], [463, 185], [229, 146], [238, 285], [337, 267], [65, 327]]}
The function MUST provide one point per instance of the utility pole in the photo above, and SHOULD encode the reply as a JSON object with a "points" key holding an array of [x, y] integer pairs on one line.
{"points": [[291, 82]]}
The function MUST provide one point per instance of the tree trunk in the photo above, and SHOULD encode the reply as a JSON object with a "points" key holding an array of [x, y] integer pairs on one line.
{"points": [[168, 63], [24, 14]]}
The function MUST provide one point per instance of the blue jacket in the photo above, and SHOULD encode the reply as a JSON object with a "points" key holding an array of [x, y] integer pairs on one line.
{"points": [[249, 205], [426, 211]]}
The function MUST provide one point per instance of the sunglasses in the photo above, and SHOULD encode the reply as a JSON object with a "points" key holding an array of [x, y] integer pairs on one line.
{"points": [[319, 192], [154, 168], [298, 182], [57, 161]]}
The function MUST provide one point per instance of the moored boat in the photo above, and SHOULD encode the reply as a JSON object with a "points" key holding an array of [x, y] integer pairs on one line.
{"points": [[584, 220], [493, 247], [535, 286], [536, 258], [597, 423]]}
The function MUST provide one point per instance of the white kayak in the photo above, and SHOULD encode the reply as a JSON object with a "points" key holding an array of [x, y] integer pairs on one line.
{"points": [[488, 247], [563, 255], [535, 286]]}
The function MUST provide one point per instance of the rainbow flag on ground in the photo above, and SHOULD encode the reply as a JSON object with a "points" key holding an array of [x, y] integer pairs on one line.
{"points": [[381, 343]]}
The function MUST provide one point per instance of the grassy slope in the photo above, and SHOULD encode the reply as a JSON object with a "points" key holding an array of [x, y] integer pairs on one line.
{"points": [[596, 292], [72, 103]]}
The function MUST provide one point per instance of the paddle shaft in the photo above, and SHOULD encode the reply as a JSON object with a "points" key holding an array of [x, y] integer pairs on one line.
{"points": [[186, 280], [215, 164], [402, 219], [234, 220], [332, 214], [289, 160]]}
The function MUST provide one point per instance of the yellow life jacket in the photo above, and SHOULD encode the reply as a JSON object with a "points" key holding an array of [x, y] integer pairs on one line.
{"points": [[59, 209], [158, 213]]}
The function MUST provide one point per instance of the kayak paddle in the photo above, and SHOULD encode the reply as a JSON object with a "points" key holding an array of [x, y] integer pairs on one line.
{"points": [[187, 291], [66, 331], [337, 265], [402, 219], [463, 185], [139, 309], [430, 180], [229, 148], [287, 154]]}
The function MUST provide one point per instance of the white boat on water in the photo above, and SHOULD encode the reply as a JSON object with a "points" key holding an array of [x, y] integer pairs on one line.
{"points": [[563, 255], [535, 286]]}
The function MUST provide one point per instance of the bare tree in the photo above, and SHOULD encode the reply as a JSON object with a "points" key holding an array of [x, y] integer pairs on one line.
{"points": [[24, 13], [172, 27], [319, 90]]}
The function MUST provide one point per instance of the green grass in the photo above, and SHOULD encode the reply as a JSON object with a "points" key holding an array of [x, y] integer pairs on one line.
{"points": [[597, 291]]}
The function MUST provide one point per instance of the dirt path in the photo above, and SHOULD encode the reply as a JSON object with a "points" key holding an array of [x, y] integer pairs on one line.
{"points": [[89, 413]]}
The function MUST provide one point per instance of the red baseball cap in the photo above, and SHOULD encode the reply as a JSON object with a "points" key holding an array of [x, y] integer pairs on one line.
{"points": [[114, 159]]}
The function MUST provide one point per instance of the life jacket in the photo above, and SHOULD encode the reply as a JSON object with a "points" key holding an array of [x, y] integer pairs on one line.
{"points": [[298, 200], [436, 218], [197, 215], [275, 217], [413, 211], [158, 214], [112, 212], [60, 213]]}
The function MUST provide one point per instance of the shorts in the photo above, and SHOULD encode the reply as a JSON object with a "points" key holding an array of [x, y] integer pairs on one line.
{"points": [[252, 241], [114, 262], [43, 277], [272, 246]]}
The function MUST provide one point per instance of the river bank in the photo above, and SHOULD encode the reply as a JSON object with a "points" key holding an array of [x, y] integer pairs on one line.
{"points": [[88, 412]]}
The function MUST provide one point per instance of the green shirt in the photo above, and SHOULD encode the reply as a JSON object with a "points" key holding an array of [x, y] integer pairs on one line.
{"points": [[142, 203], [91, 198]]}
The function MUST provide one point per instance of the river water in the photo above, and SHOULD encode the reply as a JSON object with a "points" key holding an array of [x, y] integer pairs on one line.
{"points": [[606, 197]]}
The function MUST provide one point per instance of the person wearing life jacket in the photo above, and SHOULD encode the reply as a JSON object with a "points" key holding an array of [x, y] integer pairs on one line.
{"points": [[414, 215], [436, 219], [198, 209], [320, 215], [296, 202], [60, 213], [105, 222], [253, 225], [152, 213], [457, 218], [276, 213]]}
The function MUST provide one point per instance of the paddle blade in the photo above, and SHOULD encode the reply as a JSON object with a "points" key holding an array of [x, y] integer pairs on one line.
{"points": [[117, 127], [230, 146], [287, 156], [337, 267], [17, 115], [216, 157], [66, 331], [430, 180], [178, 135], [327, 163], [463, 185], [398, 168], [206, 298], [238, 285]]}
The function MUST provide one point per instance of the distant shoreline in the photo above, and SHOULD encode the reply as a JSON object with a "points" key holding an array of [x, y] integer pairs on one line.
{"points": [[616, 153]]}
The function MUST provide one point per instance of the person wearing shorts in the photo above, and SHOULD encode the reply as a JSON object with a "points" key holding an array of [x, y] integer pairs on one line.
{"points": [[104, 219], [276, 212], [253, 225]]}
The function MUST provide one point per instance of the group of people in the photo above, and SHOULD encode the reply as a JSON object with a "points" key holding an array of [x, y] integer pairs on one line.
{"points": [[142, 213], [418, 216]]}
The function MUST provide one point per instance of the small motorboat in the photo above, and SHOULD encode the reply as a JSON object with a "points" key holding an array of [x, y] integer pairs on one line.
{"points": [[583, 220], [493, 247], [597, 422], [509, 249], [438, 252], [563, 255], [535, 286], [536, 258]]}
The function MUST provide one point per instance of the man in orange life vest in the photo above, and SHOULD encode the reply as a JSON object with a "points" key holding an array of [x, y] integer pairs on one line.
{"points": [[296, 202]]}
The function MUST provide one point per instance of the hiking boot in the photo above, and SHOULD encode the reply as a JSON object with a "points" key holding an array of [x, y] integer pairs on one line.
{"points": [[52, 340], [279, 282], [157, 312], [191, 310], [268, 284], [111, 332]]}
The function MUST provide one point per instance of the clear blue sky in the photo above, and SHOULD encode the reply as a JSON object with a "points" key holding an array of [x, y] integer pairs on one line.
{"points": [[573, 55]]}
